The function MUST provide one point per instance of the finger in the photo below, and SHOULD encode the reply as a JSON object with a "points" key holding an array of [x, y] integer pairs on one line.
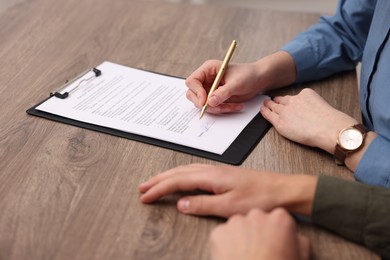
{"points": [[272, 105], [145, 186], [197, 99], [225, 108], [220, 95], [196, 92], [281, 99], [180, 182], [205, 74], [280, 217], [204, 205], [202, 78], [269, 115]]}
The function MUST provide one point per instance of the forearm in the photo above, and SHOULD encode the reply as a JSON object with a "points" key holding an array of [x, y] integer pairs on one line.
{"points": [[334, 44], [276, 70], [355, 211]]}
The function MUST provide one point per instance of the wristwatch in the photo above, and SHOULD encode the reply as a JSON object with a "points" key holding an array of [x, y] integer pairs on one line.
{"points": [[350, 139]]}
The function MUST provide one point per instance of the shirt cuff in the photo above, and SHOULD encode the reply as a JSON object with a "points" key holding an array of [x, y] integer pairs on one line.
{"points": [[374, 166], [302, 53]]}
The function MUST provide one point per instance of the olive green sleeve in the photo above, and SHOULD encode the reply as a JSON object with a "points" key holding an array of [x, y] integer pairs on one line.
{"points": [[355, 211]]}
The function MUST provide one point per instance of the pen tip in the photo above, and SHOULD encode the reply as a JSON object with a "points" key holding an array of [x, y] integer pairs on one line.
{"points": [[202, 112]]}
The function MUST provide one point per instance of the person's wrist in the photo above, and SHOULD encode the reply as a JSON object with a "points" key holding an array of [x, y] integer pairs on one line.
{"points": [[263, 74], [297, 193], [353, 159], [326, 138], [276, 70]]}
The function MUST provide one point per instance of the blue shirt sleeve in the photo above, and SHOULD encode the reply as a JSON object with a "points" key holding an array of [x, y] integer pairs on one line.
{"points": [[374, 166], [335, 43]]}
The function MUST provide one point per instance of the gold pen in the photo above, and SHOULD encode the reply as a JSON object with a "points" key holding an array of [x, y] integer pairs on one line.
{"points": [[220, 74]]}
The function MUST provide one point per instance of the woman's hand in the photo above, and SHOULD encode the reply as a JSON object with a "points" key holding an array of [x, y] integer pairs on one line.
{"points": [[240, 83], [307, 119]]}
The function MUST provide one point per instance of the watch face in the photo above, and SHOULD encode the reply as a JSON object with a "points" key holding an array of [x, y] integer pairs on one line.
{"points": [[350, 139]]}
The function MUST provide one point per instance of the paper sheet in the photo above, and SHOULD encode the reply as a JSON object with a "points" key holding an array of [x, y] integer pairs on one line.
{"points": [[149, 104]]}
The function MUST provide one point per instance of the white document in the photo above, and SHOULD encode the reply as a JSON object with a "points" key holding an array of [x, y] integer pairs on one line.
{"points": [[149, 104]]}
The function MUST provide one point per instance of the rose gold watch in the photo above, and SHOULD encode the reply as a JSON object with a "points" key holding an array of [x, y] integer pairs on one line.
{"points": [[350, 139]]}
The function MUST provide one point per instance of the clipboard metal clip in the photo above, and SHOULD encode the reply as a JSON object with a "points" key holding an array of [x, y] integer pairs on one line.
{"points": [[64, 95]]}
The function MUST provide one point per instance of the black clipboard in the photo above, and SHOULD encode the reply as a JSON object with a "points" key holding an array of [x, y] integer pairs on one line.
{"points": [[237, 152]]}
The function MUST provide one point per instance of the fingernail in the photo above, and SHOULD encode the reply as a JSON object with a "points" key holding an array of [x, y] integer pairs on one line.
{"points": [[184, 205], [213, 101]]}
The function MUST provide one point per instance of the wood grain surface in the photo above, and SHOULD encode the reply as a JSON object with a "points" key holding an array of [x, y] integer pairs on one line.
{"points": [[71, 193]]}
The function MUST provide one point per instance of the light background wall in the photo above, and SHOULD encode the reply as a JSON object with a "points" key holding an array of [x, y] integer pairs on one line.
{"points": [[322, 6]]}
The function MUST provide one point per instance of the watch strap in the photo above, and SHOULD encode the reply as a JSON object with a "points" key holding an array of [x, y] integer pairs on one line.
{"points": [[340, 154], [363, 129]]}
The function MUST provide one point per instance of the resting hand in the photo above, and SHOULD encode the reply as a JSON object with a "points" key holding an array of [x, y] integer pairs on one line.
{"points": [[231, 190], [259, 235], [307, 119]]}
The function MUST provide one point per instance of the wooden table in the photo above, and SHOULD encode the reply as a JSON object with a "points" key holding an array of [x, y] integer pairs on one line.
{"points": [[70, 193]]}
